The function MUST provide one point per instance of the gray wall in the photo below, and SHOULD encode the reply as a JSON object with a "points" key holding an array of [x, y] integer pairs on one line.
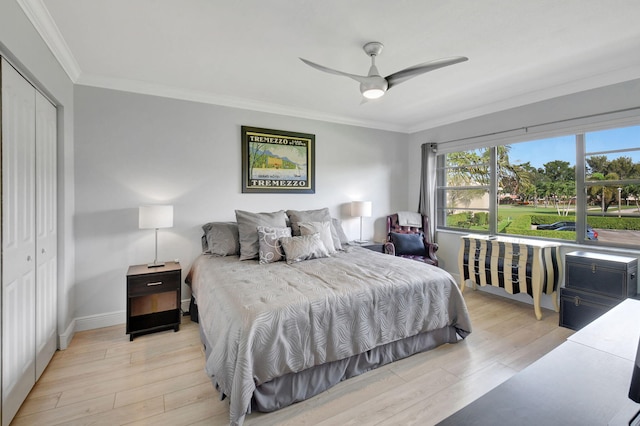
{"points": [[21, 44], [135, 149]]}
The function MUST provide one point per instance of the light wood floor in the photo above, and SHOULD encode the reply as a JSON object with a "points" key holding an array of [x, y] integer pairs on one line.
{"points": [[158, 379]]}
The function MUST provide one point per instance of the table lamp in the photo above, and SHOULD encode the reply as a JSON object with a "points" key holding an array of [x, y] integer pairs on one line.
{"points": [[155, 217], [361, 209]]}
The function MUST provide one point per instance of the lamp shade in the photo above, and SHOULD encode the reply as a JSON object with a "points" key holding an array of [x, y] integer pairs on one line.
{"points": [[154, 217], [361, 208]]}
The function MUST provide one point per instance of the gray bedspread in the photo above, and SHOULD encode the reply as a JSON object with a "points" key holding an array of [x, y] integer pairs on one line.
{"points": [[267, 320]]}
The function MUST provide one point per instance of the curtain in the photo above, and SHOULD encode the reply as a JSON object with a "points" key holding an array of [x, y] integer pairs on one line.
{"points": [[427, 205]]}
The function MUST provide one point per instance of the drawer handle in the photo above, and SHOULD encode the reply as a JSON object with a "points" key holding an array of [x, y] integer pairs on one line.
{"points": [[576, 301], [593, 268], [156, 283]]}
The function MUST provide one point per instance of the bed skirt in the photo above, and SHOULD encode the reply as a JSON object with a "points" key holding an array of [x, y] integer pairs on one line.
{"points": [[295, 387]]}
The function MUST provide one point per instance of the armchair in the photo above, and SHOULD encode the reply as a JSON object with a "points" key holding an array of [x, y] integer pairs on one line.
{"points": [[424, 252]]}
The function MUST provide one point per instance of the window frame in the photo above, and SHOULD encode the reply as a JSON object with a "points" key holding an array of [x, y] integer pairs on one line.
{"points": [[442, 188], [581, 181]]}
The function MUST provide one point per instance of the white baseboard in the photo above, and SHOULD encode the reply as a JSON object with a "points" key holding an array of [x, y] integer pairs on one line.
{"points": [[92, 322], [65, 338]]}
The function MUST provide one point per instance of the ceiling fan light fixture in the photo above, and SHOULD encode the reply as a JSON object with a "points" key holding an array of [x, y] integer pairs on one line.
{"points": [[373, 87], [373, 93]]}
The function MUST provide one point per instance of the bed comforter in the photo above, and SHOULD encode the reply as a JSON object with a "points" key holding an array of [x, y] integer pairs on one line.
{"points": [[264, 321]]}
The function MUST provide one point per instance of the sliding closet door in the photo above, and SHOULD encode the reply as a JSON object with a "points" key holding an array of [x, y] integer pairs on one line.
{"points": [[18, 240], [46, 233]]}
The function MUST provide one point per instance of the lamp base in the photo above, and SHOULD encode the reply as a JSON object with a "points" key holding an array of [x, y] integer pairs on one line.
{"points": [[361, 241], [155, 264]]}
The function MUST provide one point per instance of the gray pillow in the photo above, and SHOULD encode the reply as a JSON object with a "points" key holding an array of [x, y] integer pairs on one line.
{"points": [[322, 228], [303, 247], [270, 247], [221, 238], [248, 223], [318, 215]]}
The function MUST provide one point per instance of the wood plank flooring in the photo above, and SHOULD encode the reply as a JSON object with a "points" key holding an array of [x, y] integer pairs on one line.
{"points": [[159, 379]]}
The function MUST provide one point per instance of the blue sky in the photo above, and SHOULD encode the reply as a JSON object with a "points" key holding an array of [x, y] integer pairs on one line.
{"points": [[562, 148]]}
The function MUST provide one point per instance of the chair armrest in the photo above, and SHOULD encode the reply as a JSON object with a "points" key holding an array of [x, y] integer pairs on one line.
{"points": [[389, 248], [432, 248]]}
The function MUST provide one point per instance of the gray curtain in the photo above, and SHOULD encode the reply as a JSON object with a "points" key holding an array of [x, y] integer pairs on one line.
{"points": [[427, 204]]}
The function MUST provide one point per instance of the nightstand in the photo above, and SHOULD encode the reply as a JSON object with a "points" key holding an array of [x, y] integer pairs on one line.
{"points": [[153, 298], [379, 247]]}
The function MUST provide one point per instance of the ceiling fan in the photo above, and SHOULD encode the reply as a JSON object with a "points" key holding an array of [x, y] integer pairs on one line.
{"points": [[372, 85]]}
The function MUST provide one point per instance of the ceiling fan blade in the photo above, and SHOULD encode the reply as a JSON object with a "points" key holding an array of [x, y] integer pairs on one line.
{"points": [[358, 78], [407, 73]]}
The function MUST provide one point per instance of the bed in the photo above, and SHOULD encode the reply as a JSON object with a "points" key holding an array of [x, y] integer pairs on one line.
{"points": [[280, 332]]}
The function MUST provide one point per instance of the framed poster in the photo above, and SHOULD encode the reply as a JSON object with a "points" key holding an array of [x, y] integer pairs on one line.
{"points": [[276, 161]]}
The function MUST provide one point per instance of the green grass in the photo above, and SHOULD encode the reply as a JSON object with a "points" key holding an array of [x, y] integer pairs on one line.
{"points": [[518, 211]]}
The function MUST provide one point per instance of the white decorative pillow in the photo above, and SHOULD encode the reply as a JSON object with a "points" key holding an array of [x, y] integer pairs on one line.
{"points": [[318, 215], [270, 247], [248, 223], [322, 228], [303, 247]]}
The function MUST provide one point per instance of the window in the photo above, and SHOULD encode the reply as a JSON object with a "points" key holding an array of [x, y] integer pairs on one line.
{"points": [[612, 182], [583, 188], [464, 184]]}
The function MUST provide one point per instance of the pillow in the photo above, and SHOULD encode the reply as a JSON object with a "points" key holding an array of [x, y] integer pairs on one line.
{"points": [[221, 238], [322, 228], [319, 215], [303, 247], [270, 248], [337, 225], [248, 229], [410, 244]]}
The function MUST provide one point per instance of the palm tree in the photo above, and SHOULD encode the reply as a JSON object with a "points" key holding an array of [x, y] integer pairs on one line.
{"points": [[605, 194]]}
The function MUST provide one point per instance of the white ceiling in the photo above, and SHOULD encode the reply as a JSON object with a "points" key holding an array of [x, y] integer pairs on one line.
{"points": [[245, 53]]}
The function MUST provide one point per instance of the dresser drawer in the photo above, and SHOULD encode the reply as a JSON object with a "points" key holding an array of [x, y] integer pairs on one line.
{"points": [[607, 275], [139, 285]]}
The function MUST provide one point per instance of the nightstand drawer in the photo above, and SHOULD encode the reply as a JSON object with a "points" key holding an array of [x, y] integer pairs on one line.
{"points": [[154, 283]]}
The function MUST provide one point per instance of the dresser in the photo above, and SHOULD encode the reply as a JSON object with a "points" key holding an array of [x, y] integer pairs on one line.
{"points": [[514, 264]]}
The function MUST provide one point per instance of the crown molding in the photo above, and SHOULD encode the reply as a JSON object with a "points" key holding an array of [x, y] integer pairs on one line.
{"points": [[43, 22], [145, 88]]}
